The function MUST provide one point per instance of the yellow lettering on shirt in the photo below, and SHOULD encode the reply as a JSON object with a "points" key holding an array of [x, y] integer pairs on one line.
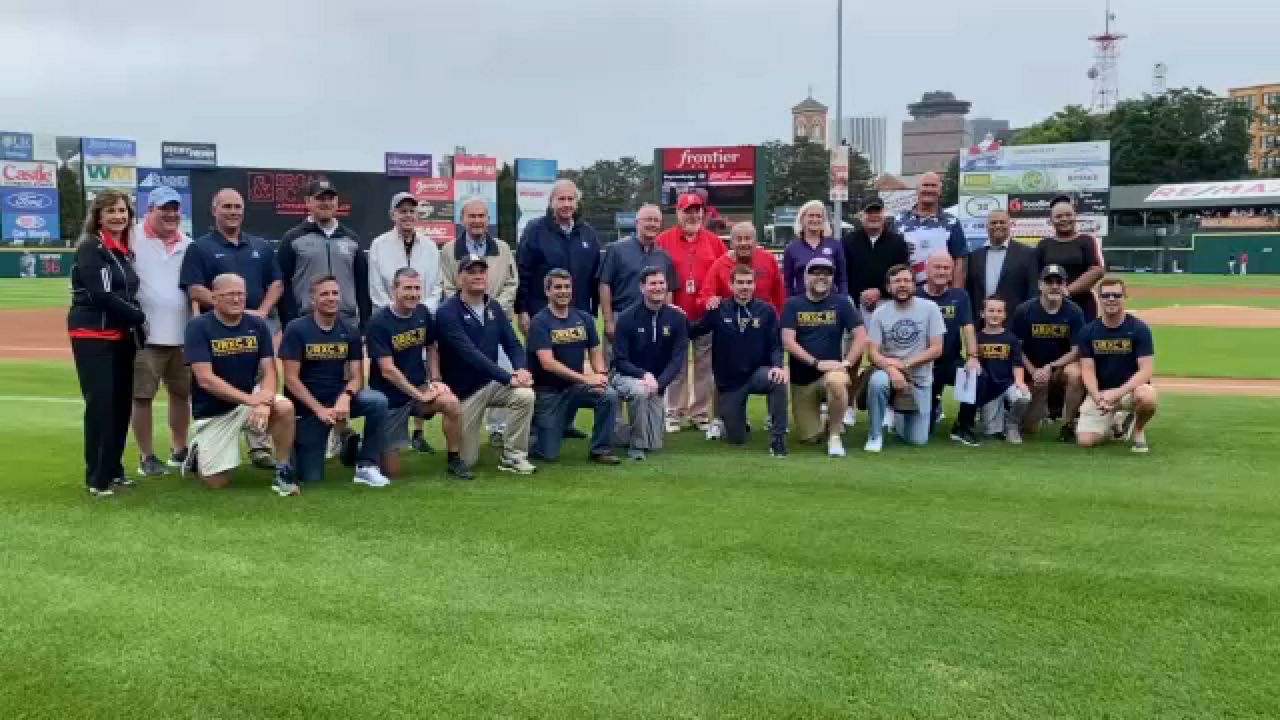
{"points": [[569, 336], [815, 318], [326, 351], [993, 351], [416, 337], [241, 345], [1112, 346], [948, 312], [1050, 331]]}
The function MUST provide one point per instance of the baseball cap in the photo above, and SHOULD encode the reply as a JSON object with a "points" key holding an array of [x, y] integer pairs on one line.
{"points": [[1053, 271], [472, 260], [163, 195], [688, 200], [321, 187], [819, 262], [401, 197], [874, 203]]}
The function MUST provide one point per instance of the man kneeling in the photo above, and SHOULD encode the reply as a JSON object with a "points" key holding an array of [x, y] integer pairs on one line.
{"points": [[1117, 360], [1001, 393], [227, 349], [563, 339], [324, 378]]}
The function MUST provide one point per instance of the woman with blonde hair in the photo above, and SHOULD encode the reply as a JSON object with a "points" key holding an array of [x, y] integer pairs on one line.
{"points": [[814, 239], [107, 326]]}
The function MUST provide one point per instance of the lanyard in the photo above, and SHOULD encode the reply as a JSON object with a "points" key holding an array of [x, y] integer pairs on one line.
{"points": [[738, 311], [473, 314]]}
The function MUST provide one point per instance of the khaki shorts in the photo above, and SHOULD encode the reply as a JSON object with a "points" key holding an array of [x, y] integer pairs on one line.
{"points": [[806, 404], [1095, 422], [156, 363], [216, 440]]}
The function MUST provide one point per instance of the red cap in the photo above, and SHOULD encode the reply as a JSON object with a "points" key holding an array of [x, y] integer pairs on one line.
{"points": [[687, 200]]}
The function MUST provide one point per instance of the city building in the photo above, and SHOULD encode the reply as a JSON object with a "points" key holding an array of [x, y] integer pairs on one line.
{"points": [[1264, 146], [979, 128], [809, 121], [868, 136], [935, 133]]}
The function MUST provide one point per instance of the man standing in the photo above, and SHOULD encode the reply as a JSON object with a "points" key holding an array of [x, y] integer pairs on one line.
{"points": [[557, 240], [406, 369], [160, 250], [870, 251], [746, 351], [227, 249], [957, 316], [652, 343], [323, 245], [402, 247], [813, 327], [906, 336], [569, 373], [229, 350], [1117, 361], [928, 228], [743, 250], [620, 286], [473, 239], [324, 379], [1244, 262], [1002, 267], [472, 327], [1048, 328], [693, 249]]}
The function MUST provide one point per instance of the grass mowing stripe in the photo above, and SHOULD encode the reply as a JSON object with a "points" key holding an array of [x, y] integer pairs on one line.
{"points": [[1216, 352]]}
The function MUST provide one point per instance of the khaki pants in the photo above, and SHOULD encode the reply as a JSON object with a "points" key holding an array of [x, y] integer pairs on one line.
{"points": [[688, 398], [806, 402], [518, 403], [1038, 410]]}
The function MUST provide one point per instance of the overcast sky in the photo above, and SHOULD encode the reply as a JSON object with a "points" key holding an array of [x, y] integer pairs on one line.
{"points": [[284, 83]]}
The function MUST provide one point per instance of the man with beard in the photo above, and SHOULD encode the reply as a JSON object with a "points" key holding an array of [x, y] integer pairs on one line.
{"points": [[1049, 329]]}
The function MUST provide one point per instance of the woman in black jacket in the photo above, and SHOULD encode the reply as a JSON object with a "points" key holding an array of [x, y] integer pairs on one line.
{"points": [[107, 326]]}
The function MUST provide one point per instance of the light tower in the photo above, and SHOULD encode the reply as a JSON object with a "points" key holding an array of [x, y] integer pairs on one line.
{"points": [[1159, 75], [1105, 72]]}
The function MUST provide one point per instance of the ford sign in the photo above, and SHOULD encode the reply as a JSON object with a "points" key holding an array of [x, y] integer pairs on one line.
{"points": [[29, 222], [28, 201]]}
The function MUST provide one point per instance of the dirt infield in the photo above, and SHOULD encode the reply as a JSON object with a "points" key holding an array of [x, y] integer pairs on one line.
{"points": [[1237, 316], [35, 334]]}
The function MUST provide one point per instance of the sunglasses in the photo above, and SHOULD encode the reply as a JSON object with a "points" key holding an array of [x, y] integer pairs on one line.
{"points": [[1111, 295]]}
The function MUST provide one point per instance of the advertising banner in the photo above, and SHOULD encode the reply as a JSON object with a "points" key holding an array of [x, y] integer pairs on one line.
{"points": [[535, 170], [408, 164], [180, 180], [475, 176], [175, 155], [28, 174], [1235, 190], [120, 177], [534, 180], [33, 200], [727, 174], [34, 264], [839, 174], [17, 146], [896, 201], [435, 207], [29, 228], [109, 151]]}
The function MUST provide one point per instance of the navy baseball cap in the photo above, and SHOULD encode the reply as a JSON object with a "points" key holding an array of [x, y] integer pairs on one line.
{"points": [[323, 186], [1053, 271], [162, 196], [875, 203], [472, 260], [820, 263]]}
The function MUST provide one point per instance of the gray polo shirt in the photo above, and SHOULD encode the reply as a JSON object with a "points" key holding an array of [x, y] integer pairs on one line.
{"points": [[621, 268]]}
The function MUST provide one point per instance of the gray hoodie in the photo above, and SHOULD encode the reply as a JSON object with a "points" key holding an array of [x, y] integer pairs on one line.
{"points": [[306, 253]]}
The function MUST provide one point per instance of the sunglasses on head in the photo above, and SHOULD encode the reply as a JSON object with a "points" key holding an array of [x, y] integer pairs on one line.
{"points": [[1111, 295]]}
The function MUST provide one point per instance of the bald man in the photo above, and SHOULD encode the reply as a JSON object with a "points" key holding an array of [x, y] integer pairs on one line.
{"points": [[928, 228], [229, 349]]}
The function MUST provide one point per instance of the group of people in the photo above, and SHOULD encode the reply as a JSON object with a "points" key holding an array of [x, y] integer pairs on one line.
{"points": [[506, 344], [1238, 263]]}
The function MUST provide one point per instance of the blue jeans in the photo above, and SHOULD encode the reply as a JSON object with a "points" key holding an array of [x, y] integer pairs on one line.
{"points": [[911, 427], [311, 437], [553, 410]]}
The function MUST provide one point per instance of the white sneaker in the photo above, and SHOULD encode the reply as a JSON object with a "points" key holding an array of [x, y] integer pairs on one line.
{"points": [[370, 475], [850, 417], [875, 443], [835, 446], [673, 425], [519, 466], [715, 430], [1013, 434]]}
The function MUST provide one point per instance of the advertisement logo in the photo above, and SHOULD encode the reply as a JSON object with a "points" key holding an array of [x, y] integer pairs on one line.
{"points": [[29, 222], [110, 176], [188, 155], [1084, 177], [17, 146], [30, 226], [28, 174], [980, 206], [1030, 205], [533, 170], [739, 158], [153, 178], [30, 201], [475, 167], [407, 164], [109, 151]]}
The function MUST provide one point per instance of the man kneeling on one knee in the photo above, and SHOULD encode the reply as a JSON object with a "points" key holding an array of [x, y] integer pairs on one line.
{"points": [[813, 325], [1117, 360], [569, 373], [227, 349], [324, 378]]}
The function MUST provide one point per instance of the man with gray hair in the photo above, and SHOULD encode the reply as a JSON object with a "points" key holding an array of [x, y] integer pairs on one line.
{"points": [[624, 261], [560, 239]]}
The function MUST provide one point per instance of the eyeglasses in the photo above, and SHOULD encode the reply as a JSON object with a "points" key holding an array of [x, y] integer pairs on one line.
{"points": [[1111, 295]]}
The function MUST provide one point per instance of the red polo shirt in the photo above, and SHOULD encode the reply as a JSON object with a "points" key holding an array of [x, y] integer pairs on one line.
{"points": [[693, 260]]}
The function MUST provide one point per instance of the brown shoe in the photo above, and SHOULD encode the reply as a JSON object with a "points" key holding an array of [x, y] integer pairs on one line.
{"points": [[605, 458], [904, 401]]}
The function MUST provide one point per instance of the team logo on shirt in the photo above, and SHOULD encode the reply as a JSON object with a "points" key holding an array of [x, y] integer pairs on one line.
{"points": [[948, 312], [742, 323], [241, 345], [1050, 331], [666, 330], [569, 336], [416, 337], [904, 333], [993, 351], [1113, 346], [816, 318], [326, 351]]}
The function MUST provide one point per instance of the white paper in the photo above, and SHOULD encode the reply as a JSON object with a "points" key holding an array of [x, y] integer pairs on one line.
{"points": [[966, 387]]}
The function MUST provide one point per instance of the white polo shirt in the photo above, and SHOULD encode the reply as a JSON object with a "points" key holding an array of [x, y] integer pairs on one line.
{"points": [[162, 299]]}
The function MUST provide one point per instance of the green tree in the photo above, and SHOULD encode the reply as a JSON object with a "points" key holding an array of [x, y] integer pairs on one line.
{"points": [[508, 210], [796, 173], [951, 183], [611, 186], [1182, 136], [1070, 124], [71, 208]]}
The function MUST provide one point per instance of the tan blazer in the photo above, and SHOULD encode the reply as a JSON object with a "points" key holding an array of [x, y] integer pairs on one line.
{"points": [[504, 279]]}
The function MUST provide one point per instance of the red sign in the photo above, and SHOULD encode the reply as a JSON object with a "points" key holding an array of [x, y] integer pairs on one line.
{"points": [[432, 189], [735, 163], [475, 167], [441, 231], [28, 174], [287, 191]]}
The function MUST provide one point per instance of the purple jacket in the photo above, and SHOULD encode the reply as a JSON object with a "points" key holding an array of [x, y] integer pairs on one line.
{"points": [[797, 256]]}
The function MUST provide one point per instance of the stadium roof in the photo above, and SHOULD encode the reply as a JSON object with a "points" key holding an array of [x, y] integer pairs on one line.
{"points": [[1175, 196]]}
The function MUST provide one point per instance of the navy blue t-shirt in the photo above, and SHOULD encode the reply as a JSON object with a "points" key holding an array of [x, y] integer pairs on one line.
{"points": [[820, 327], [999, 353], [568, 339], [252, 258], [957, 312], [1115, 351], [323, 356], [234, 351], [1046, 337], [405, 339]]}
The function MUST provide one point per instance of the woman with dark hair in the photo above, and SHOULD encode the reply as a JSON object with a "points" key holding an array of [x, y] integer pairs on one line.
{"points": [[107, 326], [1080, 255]]}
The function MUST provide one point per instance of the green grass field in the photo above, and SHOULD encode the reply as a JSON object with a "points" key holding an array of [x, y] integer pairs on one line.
{"points": [[1033, 582], [1217, 352]]}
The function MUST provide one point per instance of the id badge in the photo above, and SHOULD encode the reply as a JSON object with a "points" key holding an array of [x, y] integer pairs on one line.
{"points": [[690, 286]]}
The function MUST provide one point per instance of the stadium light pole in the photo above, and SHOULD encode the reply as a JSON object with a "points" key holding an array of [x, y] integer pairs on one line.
{"points": [[837, 206]]}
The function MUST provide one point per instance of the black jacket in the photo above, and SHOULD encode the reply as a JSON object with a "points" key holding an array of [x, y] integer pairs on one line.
{"points": [[104, 290], [867, 265], [544, 247], [1019, 277], [743, 340]]}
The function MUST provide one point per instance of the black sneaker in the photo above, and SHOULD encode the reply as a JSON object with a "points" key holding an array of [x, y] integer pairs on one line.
{"points": [[419, 443], [152, 467], [965, 436], [605, 458], [350, 448], [178, 458], [283, 483], [496, 440], [573, 433], [1068, 433], [459, 469], [778, 447], [190, 463]]}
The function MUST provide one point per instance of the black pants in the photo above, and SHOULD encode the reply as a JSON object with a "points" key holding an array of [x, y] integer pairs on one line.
{"points": [[733, 407], [944, 374], [105, 369]]}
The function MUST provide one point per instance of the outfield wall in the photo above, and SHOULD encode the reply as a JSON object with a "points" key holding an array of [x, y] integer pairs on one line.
{"points": [[1197, 252]]}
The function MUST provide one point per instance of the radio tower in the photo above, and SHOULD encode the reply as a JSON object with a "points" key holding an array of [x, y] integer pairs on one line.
{"points": [[1105, 71]]}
